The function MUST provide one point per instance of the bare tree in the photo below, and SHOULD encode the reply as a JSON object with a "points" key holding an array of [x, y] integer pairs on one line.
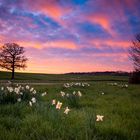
{"points": [[12, 57], [135, 53]]}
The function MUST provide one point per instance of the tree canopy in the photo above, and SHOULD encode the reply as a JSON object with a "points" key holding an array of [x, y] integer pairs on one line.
{"points": [[135, 53], [12, 57]]}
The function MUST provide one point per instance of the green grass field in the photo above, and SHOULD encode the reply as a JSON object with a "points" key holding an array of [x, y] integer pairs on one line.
{"points": [[119, 106], [36, 77]]}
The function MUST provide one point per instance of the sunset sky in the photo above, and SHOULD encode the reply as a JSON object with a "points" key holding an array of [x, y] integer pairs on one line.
{"points": [[63, 36]]}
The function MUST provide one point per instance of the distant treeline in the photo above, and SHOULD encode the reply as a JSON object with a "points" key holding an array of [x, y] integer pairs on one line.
{"points": [[114, 73]]}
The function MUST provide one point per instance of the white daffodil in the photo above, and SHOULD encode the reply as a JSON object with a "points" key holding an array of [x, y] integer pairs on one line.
{"points": [[2, 88], [33, 100], [16, 90], [53, 102], [19, 99], [67, 95], [9, 82], [59, 104], [66, 110], [102, 93], [88, 84], [76, 84], [126, 85], [34, 92], [115, 84], [99, 118], [74, 92], [27, 87], [30, 103], [62, 93], [10, 89], [43, 94], [79, 94], [31, 89], [21, 93], [66, 85], [19, 86]]}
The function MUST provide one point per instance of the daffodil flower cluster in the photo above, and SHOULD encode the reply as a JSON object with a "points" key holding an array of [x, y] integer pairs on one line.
{"points": [[72, 98], [17, 93], [67, 85], [78, 93], [119, 85], [58, 106]]}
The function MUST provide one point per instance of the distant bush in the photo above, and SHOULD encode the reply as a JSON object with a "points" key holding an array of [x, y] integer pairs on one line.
{"points": [[134, 78]]}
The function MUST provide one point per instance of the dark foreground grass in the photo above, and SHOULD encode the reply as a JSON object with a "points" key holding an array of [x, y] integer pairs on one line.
{"points": [[120, 107]]}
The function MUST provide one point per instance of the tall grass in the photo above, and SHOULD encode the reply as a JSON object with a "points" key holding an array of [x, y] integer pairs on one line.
{"points": [[120, 107]]}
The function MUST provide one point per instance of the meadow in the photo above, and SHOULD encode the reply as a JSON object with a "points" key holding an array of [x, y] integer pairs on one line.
{"points": [[106, 95], [59, 78]]}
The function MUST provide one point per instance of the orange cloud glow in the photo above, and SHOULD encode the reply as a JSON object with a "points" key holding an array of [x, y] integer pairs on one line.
{"points": [[52, 10], [54, 44], [69, 65], [111, 43], [62, 44]]}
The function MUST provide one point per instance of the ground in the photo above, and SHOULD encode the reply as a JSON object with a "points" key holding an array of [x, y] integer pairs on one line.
{"points": [[119, 105]]}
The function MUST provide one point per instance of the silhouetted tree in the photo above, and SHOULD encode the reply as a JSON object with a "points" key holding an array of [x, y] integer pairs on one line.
{"points": [[135, 57], [12, 57], [135, 53]]}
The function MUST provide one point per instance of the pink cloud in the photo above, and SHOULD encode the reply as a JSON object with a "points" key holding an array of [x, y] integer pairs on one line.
{"points": [[50, 44], [112, 43], [102, 20], [52, 8]]}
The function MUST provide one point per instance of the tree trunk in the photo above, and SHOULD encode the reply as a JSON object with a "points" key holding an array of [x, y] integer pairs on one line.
{"points": [[13, 69], [13, 74]]}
